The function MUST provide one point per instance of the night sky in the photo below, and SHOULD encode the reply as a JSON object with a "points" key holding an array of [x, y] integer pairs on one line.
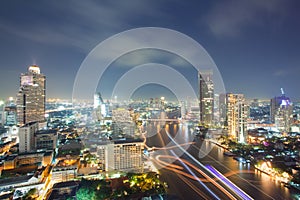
{"points": [[255, 44]]}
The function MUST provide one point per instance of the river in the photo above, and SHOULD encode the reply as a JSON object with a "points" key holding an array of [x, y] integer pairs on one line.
{"points": [[255, 183]]}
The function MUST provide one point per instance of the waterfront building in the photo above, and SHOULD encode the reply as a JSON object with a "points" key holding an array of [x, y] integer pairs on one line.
{"points": [[237, 114], [206, 97]]}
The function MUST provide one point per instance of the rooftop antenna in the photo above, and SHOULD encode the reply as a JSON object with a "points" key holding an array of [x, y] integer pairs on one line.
{"points": [[282, 92]]}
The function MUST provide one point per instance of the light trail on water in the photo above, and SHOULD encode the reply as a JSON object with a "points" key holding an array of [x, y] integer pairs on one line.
{"points": [[190, 156], [231, 185], [197, 179], [179, 170]]}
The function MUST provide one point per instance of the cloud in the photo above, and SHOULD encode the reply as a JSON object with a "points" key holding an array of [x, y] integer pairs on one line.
{"points": [[80, 24], [150, 56], [228, 18], [281, 73], [286, 72]]}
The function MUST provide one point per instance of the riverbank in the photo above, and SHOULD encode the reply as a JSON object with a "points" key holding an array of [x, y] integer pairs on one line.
{"points": [[264, 168]]}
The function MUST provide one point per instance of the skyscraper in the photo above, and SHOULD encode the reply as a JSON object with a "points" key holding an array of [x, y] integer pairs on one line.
{"points": [[10, 114], [237, 114], [206, 97], [222, 109], [100, 108], [31, 96], [281, 111], [97, 100]]}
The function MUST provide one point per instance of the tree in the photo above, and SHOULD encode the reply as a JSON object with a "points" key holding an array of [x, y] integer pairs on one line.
{"points": [[103, 193], [85, 193], [296, 178], [30, 194]]}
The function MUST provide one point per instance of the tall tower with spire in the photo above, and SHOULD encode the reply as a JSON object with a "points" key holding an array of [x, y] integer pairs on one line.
{"points": [[281, 111], [31, 97]]}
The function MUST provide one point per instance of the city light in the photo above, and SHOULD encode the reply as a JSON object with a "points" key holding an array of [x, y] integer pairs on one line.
{"points": [[116, 106]]}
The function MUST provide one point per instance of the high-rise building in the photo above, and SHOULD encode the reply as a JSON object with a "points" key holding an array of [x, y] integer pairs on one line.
{"points": [[216, 112], [97, 100], [122, 155], [281, 112], [206, 97], [237, 114], [31, 96], [10, 113], [26, 137], [222, 109], [122, 122]]}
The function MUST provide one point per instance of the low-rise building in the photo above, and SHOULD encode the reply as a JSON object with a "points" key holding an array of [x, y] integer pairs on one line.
{"points": [[28, 177], [43, 158], [64, 190], [65, 170], [46, 139]]}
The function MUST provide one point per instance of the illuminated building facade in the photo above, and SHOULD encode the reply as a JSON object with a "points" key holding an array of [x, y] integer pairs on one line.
{"points": [[281, 112], [31, 96], [100, 108], [206, 97], [42, 158], [222, 109], [123, 155], [97, 100], [237, 113], [122, 122], [65, 170], [10, 116]]}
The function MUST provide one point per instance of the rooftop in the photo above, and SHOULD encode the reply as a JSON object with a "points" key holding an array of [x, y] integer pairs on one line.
{"points": [[15, 180], [127, 140], [20, 171], [29, 124], [65, 184], [48, 131]]}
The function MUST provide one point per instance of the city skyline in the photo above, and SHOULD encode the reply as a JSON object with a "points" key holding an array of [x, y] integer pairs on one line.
{"points": [[254, 44]]}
